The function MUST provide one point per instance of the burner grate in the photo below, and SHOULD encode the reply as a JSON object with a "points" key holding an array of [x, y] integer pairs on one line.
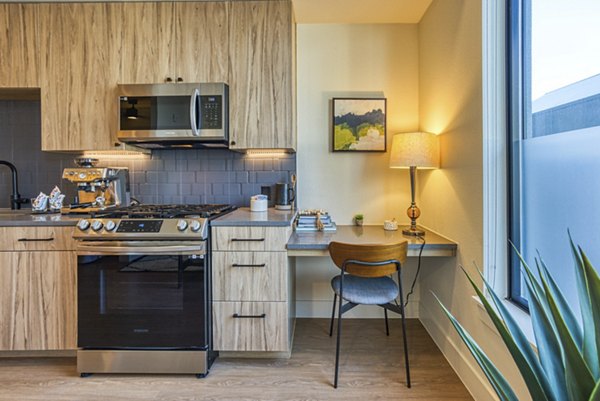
{"points": [[166, 211]]}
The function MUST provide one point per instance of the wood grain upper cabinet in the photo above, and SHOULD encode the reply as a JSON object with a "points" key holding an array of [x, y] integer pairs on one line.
{"points": [[261, 86], [201, 41], [18, 40], [147, 32], [170, 42], [80, 71]]}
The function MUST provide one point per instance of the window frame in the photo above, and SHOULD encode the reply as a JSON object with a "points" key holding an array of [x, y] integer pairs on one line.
{"points": [[518, 44]]}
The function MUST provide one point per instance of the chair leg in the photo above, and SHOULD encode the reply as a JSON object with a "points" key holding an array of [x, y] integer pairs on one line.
{"points": [[404, 332], [387, 326], [339, 333], [332, 315]]}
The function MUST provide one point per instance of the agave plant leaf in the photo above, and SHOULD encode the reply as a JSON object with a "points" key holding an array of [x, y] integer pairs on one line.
{"points": [[563, 306], [595, 396], [496, 379], [549, 348], [593, 285], [517, 344], [590, 347], [580, 381]]}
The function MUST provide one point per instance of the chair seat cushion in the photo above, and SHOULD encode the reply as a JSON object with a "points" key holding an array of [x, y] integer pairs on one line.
{"points": [[367, 291]]}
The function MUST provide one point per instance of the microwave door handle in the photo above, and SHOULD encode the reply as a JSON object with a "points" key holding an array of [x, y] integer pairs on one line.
{"points": [[195, 113]]}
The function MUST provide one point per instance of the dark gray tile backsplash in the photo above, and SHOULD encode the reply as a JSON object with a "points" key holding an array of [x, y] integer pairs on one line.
{"points": [[168, 176]]}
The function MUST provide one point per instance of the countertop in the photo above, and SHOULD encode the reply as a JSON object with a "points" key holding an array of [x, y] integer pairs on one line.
{"points": [[240, 217], [244, 217], [316, 243], [24, 218]]}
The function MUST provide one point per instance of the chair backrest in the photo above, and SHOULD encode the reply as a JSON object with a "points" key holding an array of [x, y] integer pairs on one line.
{"points": [[341, 252]]}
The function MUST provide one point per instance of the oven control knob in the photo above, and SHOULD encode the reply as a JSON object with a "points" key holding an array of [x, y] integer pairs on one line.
{"points": [[182, 225], [195, 226], [97, 225], [83, 224], [110, 225]]}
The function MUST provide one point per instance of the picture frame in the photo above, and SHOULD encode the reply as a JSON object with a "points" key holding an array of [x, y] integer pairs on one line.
{"points": [[359, 124]]}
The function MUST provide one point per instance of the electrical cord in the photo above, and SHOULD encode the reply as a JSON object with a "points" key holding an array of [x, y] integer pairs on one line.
{"points": [[412, 286]]}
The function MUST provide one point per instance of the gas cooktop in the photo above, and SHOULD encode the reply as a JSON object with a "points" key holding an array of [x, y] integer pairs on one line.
{"points": [[206, 211]]}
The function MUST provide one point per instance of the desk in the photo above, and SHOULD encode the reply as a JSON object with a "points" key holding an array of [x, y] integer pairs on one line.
{"points": [[316, 243]]}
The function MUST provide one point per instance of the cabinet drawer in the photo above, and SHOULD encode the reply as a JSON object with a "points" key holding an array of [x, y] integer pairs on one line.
{"points": [[250, 238], [250, 326], [44, 238], [249, 276]]}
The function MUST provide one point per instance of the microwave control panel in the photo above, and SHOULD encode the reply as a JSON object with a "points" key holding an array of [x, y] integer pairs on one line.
{"points": [[211, 112]]}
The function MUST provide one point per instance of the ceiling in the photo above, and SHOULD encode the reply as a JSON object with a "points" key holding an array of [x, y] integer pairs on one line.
{"points": [[360, 11]]}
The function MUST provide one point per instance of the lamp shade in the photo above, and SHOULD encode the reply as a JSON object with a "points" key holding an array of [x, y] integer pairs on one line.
{"points": [[415, 149]]}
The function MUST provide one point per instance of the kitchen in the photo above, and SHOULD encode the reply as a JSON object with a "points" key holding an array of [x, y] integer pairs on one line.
{"points": [[225, 176]]}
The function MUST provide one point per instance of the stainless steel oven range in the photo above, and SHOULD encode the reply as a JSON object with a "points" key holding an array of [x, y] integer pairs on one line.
{"points": [[144, 293]]}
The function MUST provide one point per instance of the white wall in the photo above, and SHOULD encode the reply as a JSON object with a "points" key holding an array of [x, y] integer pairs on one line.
{"points": [[450, 90], [345, 61]]}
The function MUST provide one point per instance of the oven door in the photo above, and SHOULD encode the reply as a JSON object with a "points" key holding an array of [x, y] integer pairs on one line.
{"points": [[130, 299]]}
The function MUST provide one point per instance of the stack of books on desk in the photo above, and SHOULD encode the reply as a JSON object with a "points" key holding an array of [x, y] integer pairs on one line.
{"points": [[307, 221]]}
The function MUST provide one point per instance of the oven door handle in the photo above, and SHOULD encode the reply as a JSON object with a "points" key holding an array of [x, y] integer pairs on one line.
{"points": [[139, 248]]}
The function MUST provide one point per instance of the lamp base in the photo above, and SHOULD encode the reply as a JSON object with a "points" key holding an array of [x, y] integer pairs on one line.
{"points": [[414, 232]]}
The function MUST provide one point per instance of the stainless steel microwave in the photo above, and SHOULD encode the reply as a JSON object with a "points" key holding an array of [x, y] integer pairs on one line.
{"points": [[158, 116]]}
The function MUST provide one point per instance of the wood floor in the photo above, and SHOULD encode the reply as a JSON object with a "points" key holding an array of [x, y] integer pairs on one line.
{"points": [[371, 368]]}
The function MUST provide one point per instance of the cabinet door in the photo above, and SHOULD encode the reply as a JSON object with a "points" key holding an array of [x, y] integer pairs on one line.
{"points": [[38, 306], [18, 41], [79, 75], [201, 41], [147, 55], [261, 75]]}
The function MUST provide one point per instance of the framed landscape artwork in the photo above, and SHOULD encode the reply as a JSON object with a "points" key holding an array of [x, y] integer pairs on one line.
{"points": [[359, 124]]}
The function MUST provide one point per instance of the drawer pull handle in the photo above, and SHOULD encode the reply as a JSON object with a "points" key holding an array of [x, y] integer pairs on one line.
{"points": [[247, 239], [238, 316], [238, 265], [35, 239]]}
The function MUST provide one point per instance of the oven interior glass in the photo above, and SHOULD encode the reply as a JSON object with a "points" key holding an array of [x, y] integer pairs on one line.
{"points": [[142, 302]]}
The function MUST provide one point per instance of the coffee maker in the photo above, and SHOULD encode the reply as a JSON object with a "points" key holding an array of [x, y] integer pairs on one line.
{"points": [[98, 188]]}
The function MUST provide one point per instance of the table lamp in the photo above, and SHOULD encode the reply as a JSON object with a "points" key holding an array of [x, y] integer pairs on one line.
{"points": [[412, 150]]}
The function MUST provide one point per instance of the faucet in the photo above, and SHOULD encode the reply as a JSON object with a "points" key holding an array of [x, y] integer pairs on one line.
{"points": [[15, 197]]}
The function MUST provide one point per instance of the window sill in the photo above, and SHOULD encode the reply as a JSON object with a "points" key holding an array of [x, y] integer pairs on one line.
{"points": [[521, 317]]}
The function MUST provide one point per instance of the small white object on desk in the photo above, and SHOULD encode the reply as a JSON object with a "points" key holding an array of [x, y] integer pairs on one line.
{"points": [[259, 203], [390, 225]]}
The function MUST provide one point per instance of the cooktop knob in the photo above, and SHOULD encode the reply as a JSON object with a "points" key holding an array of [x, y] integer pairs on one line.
{"points": [[83, 224], [195, 226], [110, 225], [182, 225], [97, 225]]}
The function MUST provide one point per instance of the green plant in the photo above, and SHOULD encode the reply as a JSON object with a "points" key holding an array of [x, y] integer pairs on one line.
{"points": [[566, 365], [358, 217]]}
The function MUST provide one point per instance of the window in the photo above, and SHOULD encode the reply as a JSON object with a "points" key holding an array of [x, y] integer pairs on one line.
{"points": [[554, 135]]}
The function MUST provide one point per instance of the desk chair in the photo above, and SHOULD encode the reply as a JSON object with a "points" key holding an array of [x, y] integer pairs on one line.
{"points": [[366, 280]]}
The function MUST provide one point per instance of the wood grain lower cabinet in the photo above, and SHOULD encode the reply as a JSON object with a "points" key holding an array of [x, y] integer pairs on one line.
{"points": [[19, 46], [38, 301], [250, 276], [250, 326], [252, 280], [250, 238]]}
